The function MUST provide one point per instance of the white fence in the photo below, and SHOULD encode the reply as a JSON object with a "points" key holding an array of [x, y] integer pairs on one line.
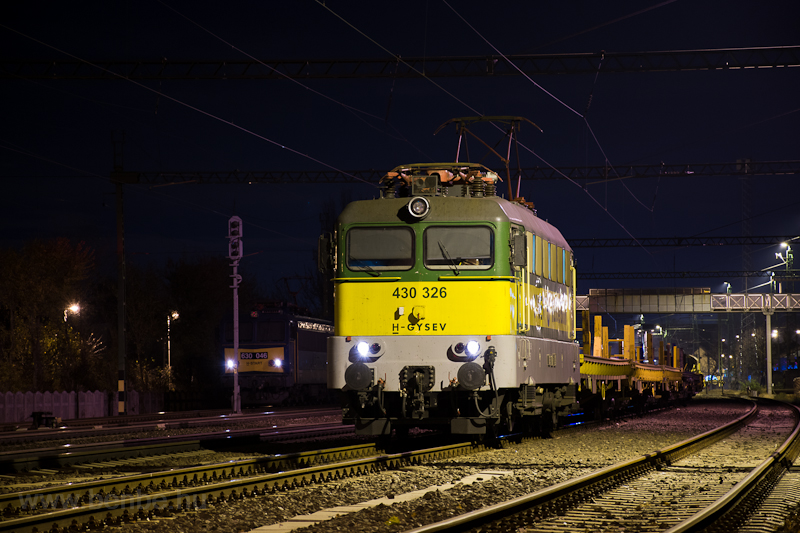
{"points": [[17, 407]]}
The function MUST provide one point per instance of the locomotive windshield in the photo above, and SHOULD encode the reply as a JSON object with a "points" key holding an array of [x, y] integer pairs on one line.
{"points": [[380, 248], [459, 247]]}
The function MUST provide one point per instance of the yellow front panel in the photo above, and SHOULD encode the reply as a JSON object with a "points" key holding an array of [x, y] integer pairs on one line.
{"points": [[256, 360], [441, 308]]}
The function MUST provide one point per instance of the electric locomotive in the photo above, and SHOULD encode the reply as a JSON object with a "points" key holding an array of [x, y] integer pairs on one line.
{"points": [[454, 308], [281, 355]]}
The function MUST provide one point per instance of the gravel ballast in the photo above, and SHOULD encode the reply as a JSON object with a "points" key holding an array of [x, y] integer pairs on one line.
{"points": [[535, 464]]}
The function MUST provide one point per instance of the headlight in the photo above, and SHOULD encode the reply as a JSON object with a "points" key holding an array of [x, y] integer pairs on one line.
{"points": [[473, 348], [362, 348], [419, 207], [459, 348], [366, 351]]}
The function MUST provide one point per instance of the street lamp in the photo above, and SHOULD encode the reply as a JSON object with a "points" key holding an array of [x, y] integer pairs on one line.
{"points": [[75, 309], [171, 317], [788, 255]]}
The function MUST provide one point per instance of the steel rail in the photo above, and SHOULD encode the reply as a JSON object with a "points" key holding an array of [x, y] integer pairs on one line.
{"points": [[64, 455], [71, 432], [69, 429], [750, 486], [90, 491], [119, 508], [590, 482]]}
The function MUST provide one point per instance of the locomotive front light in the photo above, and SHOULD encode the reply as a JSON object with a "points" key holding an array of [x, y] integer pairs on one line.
{"points": [[362, 348], [230, 363], [366, 351], [419, 207], [459, 348], [473, 348]]}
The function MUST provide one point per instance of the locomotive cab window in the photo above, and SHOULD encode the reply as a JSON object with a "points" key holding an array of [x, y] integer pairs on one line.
{"points": [[460, 247], [380, 248]]}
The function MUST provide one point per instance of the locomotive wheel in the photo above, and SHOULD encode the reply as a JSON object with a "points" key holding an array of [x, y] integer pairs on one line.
{"points": [[512, 423], [511, 419], [549, 423]]}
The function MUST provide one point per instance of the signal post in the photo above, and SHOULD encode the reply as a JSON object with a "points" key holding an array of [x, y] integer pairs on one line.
{"points": [[235, 254]]}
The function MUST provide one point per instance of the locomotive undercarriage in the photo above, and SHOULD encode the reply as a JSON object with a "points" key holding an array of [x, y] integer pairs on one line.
{"points": [[478, 412], [614, 398], [516, 384]]}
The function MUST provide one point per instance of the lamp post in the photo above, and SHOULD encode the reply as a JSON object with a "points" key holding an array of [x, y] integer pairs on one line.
{"points": [[171, 317], [75, 309], [730, 372], [788, 260]]}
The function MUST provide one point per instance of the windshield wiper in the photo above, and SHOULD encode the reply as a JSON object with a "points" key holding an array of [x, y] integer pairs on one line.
{"points": [[447, 255], [371, 271]]}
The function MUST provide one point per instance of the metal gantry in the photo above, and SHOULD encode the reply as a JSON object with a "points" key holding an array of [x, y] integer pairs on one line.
{"points": [[713, 274], [600, 173], [683, 300], [680, 242], [407, 67]]}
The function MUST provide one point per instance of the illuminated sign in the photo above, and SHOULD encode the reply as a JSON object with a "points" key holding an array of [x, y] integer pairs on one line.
{"points": [[256, 360], [313, 326]]}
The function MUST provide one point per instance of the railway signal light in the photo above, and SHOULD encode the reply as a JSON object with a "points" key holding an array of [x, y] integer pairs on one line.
{"points": [[235, 227], [235, 249], [235, 238]]}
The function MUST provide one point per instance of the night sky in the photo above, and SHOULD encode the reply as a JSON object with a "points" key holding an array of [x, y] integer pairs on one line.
{"points": [[56, 151]]}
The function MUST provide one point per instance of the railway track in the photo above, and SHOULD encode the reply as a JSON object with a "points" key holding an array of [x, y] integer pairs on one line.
{"points": [[178, 497], [97, 452], [162, 494], [101, 427], [713, 481]]}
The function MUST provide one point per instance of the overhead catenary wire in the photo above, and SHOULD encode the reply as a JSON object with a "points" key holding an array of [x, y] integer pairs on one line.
{"points": [[5, 145], [714, 136], [540, 87], [493, 47], [351, 109], [400, 59], [604, 208], [188, 106], [376, 43], [604, 24]]}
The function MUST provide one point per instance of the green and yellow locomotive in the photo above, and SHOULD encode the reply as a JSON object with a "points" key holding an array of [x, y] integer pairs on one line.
{"points": [[454, 308]]}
